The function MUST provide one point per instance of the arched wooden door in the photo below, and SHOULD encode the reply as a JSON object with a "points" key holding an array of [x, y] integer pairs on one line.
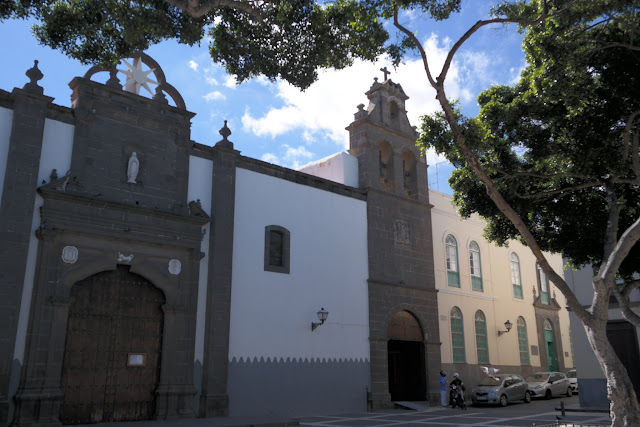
{"points": [[112, 352], [406, 358]]}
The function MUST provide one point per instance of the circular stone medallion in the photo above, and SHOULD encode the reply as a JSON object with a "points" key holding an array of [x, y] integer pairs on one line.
{"points": [[175, 266], [69, 254]]}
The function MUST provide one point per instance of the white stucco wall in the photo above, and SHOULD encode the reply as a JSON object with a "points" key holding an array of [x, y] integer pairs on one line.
{"points": [[271, 313], [6, 117], [199, 187], [340, 167], [57, 146], [497, 300]]}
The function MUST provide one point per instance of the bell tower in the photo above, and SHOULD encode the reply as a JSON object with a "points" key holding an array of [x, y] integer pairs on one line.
{"points": [[401, 276]]}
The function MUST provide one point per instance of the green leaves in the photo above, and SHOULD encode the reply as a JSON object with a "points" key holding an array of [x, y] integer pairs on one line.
{"points": [[290, 39], [553, 142]]}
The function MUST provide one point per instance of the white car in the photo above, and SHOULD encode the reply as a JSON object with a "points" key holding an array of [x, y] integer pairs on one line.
{"points": [[573, 380], [549, 384]]}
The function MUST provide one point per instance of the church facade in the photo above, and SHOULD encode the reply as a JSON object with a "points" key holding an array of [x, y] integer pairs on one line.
{"points": [[148, 276]]}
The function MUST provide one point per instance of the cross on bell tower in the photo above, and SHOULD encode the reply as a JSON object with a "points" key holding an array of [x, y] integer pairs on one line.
{"points": [[385, 72]]}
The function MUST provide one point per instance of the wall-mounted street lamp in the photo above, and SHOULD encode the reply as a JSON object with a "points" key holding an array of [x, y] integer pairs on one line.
{"points": [[322, 315], [507, 325]]}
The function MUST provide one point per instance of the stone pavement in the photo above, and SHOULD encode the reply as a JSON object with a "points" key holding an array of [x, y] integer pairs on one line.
{"points": [[537, 413], [438, 417]]}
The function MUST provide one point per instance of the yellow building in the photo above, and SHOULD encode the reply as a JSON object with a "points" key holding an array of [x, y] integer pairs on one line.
{"points": [[496, 307]]}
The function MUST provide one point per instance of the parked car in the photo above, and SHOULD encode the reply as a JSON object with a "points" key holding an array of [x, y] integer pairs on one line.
{"points": [[573, 380], [501, 389], [549, 384]]}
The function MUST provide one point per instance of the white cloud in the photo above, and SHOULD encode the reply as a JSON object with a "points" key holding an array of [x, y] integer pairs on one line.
{"points": [[294, 156], [320, 111], [261, 79], [230, 82], [270, 157], [193, 65], [214, 96], [211, 81]]}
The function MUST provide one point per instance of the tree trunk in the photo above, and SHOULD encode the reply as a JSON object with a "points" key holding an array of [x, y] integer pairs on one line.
{"points": [[623, 403]]}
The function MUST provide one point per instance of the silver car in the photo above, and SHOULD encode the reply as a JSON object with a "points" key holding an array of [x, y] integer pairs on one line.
{"points": [[549, 384], [573, 380], [501, 389]]}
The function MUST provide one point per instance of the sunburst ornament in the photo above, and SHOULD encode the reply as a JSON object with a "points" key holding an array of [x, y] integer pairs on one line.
{"points": [[137, 77]]}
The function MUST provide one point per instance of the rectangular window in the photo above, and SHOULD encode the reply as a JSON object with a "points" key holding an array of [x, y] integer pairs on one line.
{"points": [[515, 279], [276, 249], [453, 278], [544, 287], [476, 275]]}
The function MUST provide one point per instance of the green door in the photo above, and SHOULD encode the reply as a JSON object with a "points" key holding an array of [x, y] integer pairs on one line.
{"points": [[552, 361]]}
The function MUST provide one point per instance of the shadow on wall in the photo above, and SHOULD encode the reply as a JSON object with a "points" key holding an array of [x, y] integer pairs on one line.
{"points": [[295, 387]]}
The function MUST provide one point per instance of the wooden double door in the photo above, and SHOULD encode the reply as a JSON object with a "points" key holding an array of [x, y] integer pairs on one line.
{"points": [[113, 348]]}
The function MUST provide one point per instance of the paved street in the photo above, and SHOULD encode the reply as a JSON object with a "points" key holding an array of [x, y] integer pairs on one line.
{"points": [[538, 413]]}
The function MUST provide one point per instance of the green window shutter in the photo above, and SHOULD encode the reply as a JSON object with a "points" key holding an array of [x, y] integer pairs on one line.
{"points": [[476, 283], [481, 338], [523, 342], [457, 336]]}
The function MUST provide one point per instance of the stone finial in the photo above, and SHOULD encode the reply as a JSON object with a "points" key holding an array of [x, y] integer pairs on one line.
{"points": [[114, 81], [34, 75], [225, 132], [159, 96]]}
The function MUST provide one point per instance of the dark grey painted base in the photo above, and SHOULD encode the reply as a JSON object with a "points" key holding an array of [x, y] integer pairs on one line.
{"points": [[297, 387], [593, 393]]}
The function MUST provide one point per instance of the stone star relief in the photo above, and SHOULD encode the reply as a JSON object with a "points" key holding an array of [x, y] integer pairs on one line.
{"points": [[136, 77]]}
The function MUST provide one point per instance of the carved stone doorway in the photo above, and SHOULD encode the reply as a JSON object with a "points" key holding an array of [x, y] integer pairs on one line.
{"points": [[406, 358], [112, 353]]}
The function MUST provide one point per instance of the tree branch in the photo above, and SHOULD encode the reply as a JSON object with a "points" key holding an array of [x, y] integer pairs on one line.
{"points": [[417, 44], [524, 22], [626, 242], [630, 287], [627, 313], [611, 232], [198, 9], [562, 192]]}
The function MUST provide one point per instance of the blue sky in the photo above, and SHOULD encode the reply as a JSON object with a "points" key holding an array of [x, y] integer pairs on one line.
{"points": [[278, 123]]}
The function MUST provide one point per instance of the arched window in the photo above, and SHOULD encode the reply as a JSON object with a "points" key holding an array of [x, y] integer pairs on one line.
{"points": [[475, 267], [409, 176], [523, 341], [453, 277], [481, 338], [515, 276], [544, 286], [385, 165], [457, 336]]}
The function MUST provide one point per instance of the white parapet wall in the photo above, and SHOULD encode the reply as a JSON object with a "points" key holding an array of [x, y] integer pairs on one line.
{"points": [[340, 167]]}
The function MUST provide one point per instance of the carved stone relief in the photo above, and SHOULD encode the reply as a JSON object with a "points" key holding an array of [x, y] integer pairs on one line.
{"points": [[124, 259], [401, 232]]}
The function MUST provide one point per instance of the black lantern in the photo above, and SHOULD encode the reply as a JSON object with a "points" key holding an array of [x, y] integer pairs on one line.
{"points": [[322, 316], [507, 325]]}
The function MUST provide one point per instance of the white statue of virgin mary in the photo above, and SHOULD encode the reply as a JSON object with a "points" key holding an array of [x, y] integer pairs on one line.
{"points": [[132, 168]]}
